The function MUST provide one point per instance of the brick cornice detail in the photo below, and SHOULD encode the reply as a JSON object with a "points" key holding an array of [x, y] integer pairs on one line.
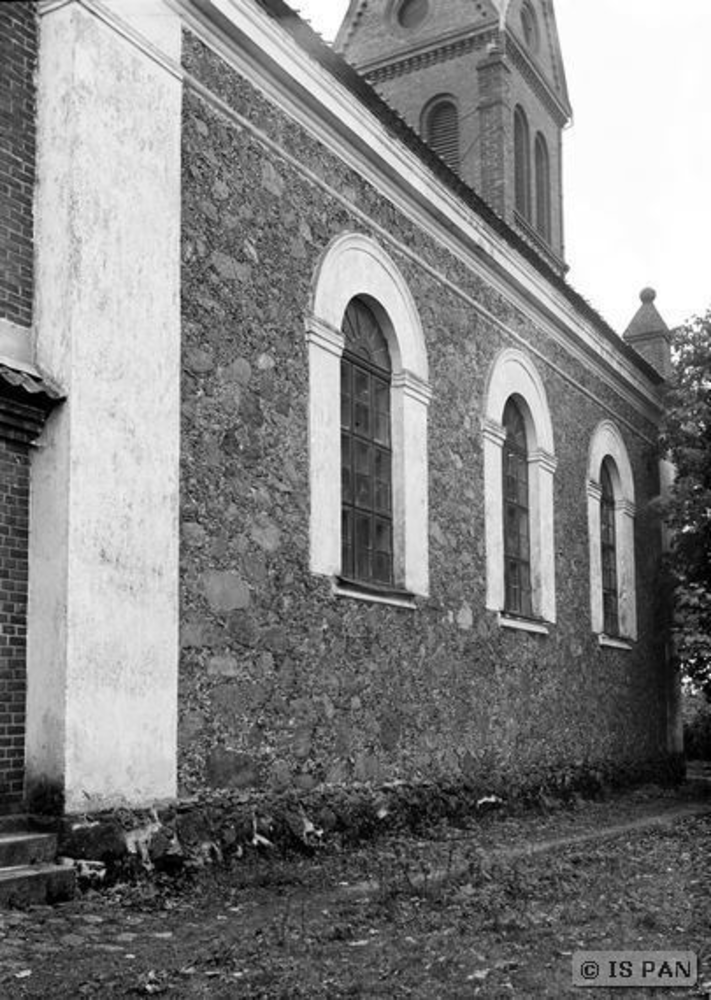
{"points": [[422, 60]]}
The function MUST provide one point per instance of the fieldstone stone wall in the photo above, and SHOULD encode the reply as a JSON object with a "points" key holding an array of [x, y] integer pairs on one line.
{"points": [[282, 686]]}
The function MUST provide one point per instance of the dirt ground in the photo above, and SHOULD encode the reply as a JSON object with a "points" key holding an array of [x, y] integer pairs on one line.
{"points": [[493, 910]]}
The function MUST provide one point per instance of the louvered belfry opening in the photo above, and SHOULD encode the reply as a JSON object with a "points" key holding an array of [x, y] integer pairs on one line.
{"points": [[442, 131]]}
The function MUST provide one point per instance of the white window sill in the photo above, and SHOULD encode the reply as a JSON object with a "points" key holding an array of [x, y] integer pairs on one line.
{"points": [[340, 590], [523, 624], [611, 642]]}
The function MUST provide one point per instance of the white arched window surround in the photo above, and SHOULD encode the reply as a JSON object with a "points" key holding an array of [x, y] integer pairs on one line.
{"points": [[514, 375], [355, 265], [607, 444]]}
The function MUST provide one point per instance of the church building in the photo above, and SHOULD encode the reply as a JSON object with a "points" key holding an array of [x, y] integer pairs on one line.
{"points": [[317, 471]]}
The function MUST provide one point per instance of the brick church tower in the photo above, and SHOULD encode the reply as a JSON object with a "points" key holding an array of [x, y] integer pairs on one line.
{"points": [[483, 82]]}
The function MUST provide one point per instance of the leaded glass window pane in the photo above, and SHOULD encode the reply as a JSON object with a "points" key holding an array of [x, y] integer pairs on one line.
{"points": [[366, 456], [363, 334], [517, 548], [608, 544]]}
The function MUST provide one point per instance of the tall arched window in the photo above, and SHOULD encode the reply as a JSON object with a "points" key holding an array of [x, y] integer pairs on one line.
{"points": [[522, 163], [608, 553], [519, 465], [441, 130], [366, 450], [543, 188], [611, 514], [368, 381], [517, 534]]}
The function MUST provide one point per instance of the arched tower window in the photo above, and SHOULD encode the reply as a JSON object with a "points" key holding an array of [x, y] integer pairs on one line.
{"points": [[366, 450], [517, 532], [543, 188], [522, 163], [441, 130]]}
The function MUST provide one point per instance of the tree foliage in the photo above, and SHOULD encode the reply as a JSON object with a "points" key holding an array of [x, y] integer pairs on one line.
{"points": [[687, 441]]}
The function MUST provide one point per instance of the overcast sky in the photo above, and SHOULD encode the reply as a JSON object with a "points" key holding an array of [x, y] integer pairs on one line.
{"points": [[637, 163]]}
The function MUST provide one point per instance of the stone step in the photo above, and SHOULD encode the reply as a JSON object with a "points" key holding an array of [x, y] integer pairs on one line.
{"points": [[14, 821], [26, 848], [25, 823], [26, 884]]}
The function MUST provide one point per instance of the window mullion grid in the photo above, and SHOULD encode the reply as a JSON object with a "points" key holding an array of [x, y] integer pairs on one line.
{"points": [[369, 558], [347, 471], [608, 543], [517, 566]]}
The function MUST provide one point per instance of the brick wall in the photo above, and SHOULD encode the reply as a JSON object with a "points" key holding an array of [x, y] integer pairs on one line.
{"points": [[18, 56], [14, 510]]}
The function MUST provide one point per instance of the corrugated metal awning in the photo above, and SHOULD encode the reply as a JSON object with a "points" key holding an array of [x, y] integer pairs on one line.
{"points": [[41, 390]]}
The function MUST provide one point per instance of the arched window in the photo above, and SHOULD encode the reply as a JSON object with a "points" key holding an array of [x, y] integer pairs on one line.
{"points": [[366, 450], [543, 188], [368, 401], [608, 552], [522, 163], [611, 513], [441, 130], [517, 535], [519, 465]]}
